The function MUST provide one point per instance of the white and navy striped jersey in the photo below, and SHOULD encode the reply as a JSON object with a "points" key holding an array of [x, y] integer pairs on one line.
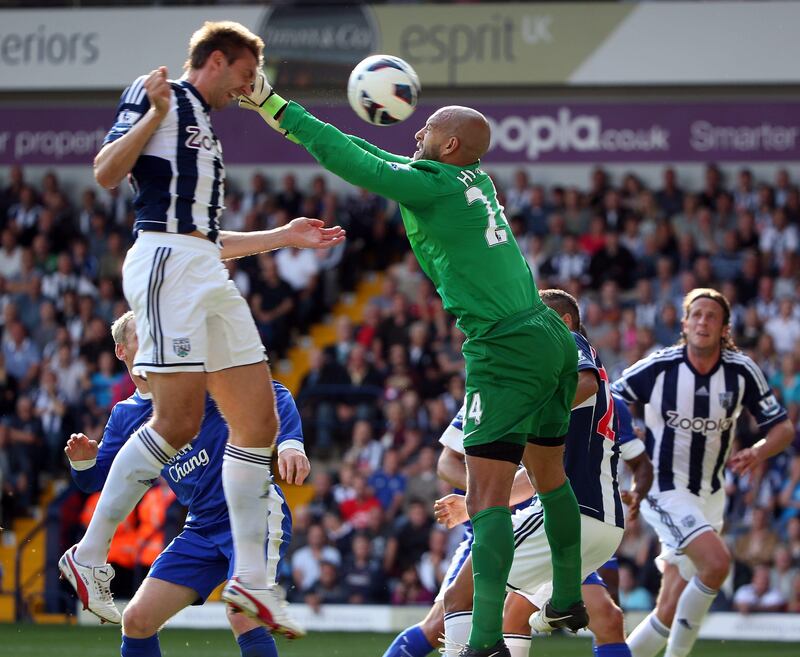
{"points": [[179, 178], [690, 417]]}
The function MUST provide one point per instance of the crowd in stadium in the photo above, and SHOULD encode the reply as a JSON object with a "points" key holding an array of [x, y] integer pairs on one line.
{"points": [[375, 402]]}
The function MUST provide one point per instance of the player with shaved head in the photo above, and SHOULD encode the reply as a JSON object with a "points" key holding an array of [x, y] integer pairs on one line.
{"points": [[521, 361]]}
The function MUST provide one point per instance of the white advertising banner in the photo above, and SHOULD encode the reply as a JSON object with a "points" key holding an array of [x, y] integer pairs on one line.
{"points": [[99, 48], [467, 45]]}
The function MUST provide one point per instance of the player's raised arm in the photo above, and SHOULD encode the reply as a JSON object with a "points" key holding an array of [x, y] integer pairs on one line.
{"points": [[409, 184], [142, 109], [378, 152]]}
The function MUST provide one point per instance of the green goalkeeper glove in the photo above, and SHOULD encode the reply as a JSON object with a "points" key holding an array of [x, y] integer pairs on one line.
{"points": [[267, 103]]}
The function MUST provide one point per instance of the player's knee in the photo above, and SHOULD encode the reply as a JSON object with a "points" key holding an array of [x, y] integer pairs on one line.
{"points": [[178, 429], [137, 623], [716, 567]]}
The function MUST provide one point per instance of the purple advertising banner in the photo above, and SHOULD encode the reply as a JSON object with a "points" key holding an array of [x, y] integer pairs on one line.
{"points": [[522, 133]]}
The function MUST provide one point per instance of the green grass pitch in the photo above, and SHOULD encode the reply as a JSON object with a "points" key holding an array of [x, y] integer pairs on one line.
{"points": [[26, 640]]}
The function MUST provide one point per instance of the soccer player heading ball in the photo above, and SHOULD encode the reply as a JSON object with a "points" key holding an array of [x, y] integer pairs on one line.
{"points": [[521, 361]]}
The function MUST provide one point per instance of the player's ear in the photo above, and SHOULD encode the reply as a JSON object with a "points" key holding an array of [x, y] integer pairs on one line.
{"points": [[451, 146], [119, 351]]}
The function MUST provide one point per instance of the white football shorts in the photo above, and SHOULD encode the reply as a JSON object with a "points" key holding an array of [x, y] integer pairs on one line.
{"points": [[532, 570], [190, 317], [679, 517]]}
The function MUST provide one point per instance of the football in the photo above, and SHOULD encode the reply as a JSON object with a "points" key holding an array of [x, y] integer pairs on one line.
{"points": [[383, 90]]}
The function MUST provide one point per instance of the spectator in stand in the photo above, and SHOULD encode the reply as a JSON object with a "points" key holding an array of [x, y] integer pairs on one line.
{"points": [[272, 304], [20, 355], [784, 574], [433, 564], [51, 408], [758, 596], [362, 574], [327, 589], [409, 539], [423, 483], [779, 240], [299, 268], [365, 453], [410, 591], [757, 546], [356, 510], [612, 263], [323, 499], [670, 196], [389, 484], [633, 596], [786, 382], [785, 328], [307, 561]]}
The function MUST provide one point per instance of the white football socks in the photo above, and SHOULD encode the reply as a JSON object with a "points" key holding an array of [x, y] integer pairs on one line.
{"points": [[649, 637], [693, 605], [247, 480], [132, 472], [457, 626], [518, 645]]}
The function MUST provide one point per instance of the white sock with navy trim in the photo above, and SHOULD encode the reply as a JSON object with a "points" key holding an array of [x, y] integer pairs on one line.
{"points": [[457, 626], [693, 605], [649, 637], [247, 480], [132, 472], [518, 645]]}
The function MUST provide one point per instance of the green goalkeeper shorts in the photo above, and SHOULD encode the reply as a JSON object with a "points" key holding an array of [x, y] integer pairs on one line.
{"points": [[521, 379]]}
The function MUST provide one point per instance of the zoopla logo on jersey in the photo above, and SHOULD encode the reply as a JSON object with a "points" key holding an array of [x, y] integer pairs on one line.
{"points": [[539, 134], [698, 424]]}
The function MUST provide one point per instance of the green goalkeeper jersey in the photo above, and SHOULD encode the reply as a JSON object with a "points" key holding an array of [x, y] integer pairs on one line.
{"points": [[452, 217]]}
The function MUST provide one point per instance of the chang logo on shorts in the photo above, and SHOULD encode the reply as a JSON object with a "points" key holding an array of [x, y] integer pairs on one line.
{"points": [[689, 522], [180, 470], [704, 425]]}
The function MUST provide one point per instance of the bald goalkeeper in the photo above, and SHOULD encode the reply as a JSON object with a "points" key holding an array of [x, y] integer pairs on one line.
{"points": [[521, 361]]}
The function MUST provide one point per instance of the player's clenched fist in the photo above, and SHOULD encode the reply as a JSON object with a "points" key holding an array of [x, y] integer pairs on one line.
{"points": [[158, 89], [81, 448]]}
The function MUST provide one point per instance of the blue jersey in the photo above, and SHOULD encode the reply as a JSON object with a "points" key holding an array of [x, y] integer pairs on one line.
{"points": [[591, 454], [179, 177], [195, 472]]}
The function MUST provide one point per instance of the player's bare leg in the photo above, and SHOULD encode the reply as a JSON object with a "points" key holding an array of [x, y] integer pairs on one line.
{"points": [[489, 484], [651, 635], [458, 611], [154, 604], [252, 636], [178, 401], [246, 400], [545, 465], [712, 560]]}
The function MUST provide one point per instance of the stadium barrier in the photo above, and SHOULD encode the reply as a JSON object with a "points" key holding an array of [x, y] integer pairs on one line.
{"points": [[725, 626]]}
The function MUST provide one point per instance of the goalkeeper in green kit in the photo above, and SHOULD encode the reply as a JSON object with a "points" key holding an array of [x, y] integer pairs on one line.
{"points": [[521, 361]]}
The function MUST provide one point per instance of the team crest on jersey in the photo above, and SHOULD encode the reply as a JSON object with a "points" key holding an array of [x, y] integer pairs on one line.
{"points": [[726, 399], [181, 347], [689, 522]]}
